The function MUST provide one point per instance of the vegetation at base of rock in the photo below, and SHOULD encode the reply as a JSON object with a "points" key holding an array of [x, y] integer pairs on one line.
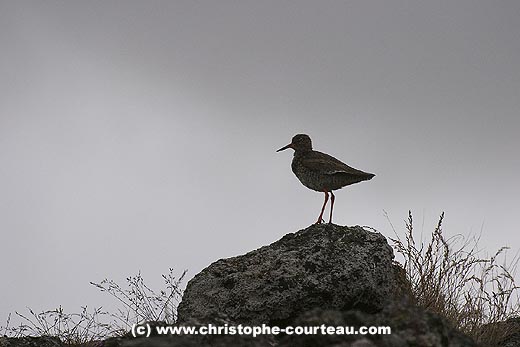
{"points": [[448, 276], [140, 303], [70, 328], [443, 288]]}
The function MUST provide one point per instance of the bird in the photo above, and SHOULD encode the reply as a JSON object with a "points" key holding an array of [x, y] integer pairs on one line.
{"points": [[321, 172]]}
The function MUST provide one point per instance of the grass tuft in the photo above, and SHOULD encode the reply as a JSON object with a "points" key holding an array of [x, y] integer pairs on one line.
{"points": [[72, 328], [139, 303], [450, 277]]}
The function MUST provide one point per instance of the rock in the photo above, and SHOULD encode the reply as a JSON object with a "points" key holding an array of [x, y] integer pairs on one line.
{"points": [[410, 327], [324, 275], [29, 341], [194, 340], [323, 266], [507, 333]]}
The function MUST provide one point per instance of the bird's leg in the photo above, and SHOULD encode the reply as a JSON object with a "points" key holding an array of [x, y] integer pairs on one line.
{"points": [[331, 205], [320, 218]]}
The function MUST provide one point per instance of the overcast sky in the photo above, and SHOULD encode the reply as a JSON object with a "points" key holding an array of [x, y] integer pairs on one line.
{"points": [[141, 135]]}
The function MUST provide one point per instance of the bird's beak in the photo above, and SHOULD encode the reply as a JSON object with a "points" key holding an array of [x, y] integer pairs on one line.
{"points": [[284, 148]]}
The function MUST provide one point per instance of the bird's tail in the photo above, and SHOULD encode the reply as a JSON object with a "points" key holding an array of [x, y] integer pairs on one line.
{"points": [[369, 176]]}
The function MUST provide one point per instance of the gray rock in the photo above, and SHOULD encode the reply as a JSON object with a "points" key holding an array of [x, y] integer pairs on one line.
{"points": [[323, 266], [503, 334], [323, 275], [213, 340], [410, 326]]}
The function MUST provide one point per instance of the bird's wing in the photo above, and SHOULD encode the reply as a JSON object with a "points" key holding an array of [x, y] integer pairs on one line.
{"points": [[329, 165]]}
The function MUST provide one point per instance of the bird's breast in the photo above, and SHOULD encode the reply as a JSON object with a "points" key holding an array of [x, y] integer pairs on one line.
{"points": [[308, 178]]}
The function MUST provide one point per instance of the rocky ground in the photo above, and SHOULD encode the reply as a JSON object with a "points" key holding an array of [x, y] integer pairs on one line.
{"points": [[323, 275]]}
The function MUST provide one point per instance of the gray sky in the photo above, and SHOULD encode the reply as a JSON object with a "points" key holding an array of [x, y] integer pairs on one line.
{"points": [[142, 135]]}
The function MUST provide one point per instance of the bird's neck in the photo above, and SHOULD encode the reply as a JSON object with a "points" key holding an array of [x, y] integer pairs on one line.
{"points": [[301, 152]]}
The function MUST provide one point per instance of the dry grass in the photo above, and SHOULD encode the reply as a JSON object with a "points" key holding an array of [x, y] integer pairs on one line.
{"points": [[139, 303], [452, 279], [448, 276], [71, 328]]}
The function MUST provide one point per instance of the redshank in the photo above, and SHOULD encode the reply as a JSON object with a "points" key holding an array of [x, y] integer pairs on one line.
{"points": [[321, 172]]}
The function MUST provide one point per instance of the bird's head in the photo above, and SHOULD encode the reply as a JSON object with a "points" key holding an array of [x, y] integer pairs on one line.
{"points": [[300, 142]]}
